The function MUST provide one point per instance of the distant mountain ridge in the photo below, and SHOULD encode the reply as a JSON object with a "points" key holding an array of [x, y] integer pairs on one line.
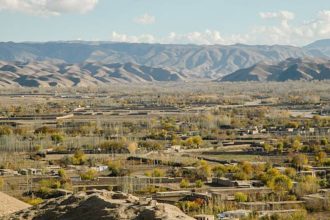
{"points": [[201, 61], [59, 74], [320, 48], [80, 63], [290, 69]]}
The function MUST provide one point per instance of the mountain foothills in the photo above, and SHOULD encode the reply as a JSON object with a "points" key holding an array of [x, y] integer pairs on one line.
{"points": [[50, 74], [290, 69], [79, 63]]}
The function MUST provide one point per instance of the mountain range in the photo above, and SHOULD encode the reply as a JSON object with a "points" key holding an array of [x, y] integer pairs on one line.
{"points": [[60, 74], [81, 63], [290, 69]]}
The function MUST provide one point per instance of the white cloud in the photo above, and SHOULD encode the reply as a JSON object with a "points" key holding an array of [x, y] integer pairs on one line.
{"points": [[284, 31], [287, 33], [147, 38], [207, 37], [48, 7], [283, 15], [145, 19]]}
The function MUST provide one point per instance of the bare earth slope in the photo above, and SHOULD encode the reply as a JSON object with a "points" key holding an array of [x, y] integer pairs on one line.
{"points": [[9, 205], [101, 205]]}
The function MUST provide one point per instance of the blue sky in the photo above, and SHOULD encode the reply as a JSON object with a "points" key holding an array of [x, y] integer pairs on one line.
{"points": [[295, 22]]}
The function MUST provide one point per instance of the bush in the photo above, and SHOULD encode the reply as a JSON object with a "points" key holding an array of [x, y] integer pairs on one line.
{"points": [[116, 169], [5, 130], [45, 130], [79, 158], [88, 175], [57, 138], [35, 201], [2, 183], [47, 187], [241, 197], [156, 173], [184, 183], [199, 183]]}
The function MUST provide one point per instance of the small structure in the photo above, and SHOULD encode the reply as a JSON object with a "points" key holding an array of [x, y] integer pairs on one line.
{"points": [[100, 168], [228, 194], [236, 214], [8, 172], [31, 171], [204, 217], [225, 182], [176, 148], [307, 173]]}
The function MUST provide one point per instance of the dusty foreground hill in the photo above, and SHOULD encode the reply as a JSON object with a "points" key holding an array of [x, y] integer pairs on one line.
{"points": [[101, 205], [10, 205]]}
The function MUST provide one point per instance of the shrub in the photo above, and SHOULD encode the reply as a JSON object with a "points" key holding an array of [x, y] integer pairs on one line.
{"points": [[184, 183], [57, 138], [2, 183], [79, 158], [241, 197], [5, 130], [199, 183], [88, 175], [35, 201]]}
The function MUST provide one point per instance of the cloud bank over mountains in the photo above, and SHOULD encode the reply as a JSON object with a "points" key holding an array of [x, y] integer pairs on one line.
{"points": [[276, 27], [284, 31]]}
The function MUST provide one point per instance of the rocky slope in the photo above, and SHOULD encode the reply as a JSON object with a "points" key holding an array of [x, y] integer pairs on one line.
{"points": [[290, 69], [97, 205], [51, 73]]}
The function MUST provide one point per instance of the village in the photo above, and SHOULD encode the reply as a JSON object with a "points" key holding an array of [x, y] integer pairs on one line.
{"points": [[214, 155]]}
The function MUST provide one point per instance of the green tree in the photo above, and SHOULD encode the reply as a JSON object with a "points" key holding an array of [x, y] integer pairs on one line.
{"points": [[132, 147], [296, 145], [79, 158], [240, 197], [324, 141], [269, 175], [290, 172], [299, 161], [307, 185], [199, 183], [280, 147], [280, 184], [116, 169], [204, 170], [5, 131], [184, 183], [156, 173], [197, 140], [57, 138], [89, 175], [62, 173], [321, 157], [268, 148], [219, 170]]}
